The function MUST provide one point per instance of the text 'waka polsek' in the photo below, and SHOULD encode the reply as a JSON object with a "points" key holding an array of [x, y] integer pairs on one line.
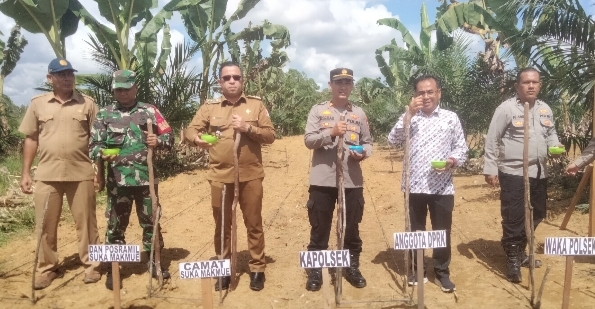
{"points": [[569, 246]]}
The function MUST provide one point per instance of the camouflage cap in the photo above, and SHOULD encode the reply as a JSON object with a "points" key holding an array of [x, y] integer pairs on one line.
{"points": [[59, 65], [123, 79], [341, 73]]}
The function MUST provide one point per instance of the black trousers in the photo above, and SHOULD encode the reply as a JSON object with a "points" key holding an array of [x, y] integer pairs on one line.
{"points": [[440, 207], [512, 206], [321, 205]]}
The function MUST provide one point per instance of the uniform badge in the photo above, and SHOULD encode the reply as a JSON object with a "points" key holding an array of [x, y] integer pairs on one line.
{"points": [[344, 72], [352, 128], [547, 122], [63, 62], [248, 111], [518, 123], [326, 112], [326, 124], [353, 137], [543, 111], [354, 116]]}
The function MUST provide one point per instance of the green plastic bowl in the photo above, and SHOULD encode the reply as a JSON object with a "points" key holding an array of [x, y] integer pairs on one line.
{"points": [[438, 164], [557, 150], [111, 151], [211, 139]]}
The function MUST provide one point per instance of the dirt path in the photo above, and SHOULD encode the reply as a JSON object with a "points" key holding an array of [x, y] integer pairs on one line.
{"points": [[477, 264]]}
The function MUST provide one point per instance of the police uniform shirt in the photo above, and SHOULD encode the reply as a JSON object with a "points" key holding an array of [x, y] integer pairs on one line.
{"points": [[321, 120], [504, 141], [63, 136], [216, 116]]}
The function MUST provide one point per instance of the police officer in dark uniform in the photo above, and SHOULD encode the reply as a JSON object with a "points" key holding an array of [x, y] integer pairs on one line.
{"points": [[322, 129]]}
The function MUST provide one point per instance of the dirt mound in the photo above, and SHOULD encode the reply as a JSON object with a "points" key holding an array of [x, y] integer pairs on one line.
{"points": [[477, 264]]}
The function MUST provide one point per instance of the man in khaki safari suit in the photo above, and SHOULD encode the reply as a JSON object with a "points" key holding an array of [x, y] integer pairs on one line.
{"points": [[57, 125]]}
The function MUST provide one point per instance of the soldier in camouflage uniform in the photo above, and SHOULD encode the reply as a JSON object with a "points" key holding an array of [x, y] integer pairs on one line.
{"points": [[123, 125]]}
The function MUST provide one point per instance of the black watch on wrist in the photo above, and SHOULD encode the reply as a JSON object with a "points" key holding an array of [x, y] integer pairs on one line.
{"points": [[249, 129]]}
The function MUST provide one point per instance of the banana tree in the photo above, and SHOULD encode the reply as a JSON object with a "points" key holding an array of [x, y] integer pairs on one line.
{"points": [[11, 53], [206, 25], [493, 22], [401, 61], [124, 15], [56, 19], [260, 72]]}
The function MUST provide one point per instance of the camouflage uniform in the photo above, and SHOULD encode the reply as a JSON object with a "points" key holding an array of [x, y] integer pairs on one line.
{"points": [[128, 175]]}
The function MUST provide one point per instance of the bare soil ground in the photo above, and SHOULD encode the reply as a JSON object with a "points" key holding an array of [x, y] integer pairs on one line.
{"points": [[477, 267]]}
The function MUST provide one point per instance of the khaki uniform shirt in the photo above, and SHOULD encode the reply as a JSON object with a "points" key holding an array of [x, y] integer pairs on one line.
{"points": [[504, 141], [321, 120], [63, 136], [215, 115], [587, 156]]}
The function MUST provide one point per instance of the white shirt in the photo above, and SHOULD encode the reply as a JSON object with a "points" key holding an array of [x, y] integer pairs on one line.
{"points": [[437, 136]]}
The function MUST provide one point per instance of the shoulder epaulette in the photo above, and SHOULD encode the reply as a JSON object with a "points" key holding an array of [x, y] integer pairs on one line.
{"points": [[212, 101], [254, 97], [40, 95]]}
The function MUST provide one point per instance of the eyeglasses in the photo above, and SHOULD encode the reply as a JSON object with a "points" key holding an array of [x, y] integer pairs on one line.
{"points": [[63, 74], [228, 77], [343, 82]]}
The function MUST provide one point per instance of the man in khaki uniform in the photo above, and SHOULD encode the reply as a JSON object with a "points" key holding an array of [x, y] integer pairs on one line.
{"points": [[57, 124], [233, 112]]}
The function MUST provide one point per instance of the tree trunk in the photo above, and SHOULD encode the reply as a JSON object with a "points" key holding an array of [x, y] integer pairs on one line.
{"points": [[3, 107]]}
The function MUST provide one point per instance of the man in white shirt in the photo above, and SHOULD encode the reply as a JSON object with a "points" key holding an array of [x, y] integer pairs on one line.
{"points": [[435, 134]]}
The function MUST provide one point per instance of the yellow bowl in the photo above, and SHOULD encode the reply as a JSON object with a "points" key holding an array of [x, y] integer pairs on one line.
{"points": [[111, 151], [438, 164], [211, 139], [557, 150]]}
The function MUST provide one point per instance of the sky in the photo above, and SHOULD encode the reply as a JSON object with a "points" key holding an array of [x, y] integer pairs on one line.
{"points": [[325, 34]]}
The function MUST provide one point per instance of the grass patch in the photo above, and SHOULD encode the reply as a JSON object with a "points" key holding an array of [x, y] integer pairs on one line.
{"points": [[19, 222], [10, 166]]}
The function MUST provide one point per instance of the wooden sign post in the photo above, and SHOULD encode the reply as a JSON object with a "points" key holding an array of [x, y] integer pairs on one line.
{"points": [[569, 247], [115, 254], [418, 241], [326, 259], [205, 270]]}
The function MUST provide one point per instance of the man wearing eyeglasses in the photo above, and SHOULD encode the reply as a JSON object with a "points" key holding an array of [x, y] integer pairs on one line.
{"points": [[322, 129], [57, 124], [231, 113]]}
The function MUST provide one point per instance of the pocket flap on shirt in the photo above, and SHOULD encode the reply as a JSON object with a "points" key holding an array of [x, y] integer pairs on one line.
{"points": [[45, 118]]}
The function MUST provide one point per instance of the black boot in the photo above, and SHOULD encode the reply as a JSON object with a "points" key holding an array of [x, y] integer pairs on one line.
{"points": [[314, 279], [352, 273], [109, 279], [513, 263], [525, 258], [224, 283]]}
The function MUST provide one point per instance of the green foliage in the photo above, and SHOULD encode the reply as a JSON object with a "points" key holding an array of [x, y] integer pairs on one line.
{"points": [[289, 99], [20, 221], [206, 25], [56, 19]]}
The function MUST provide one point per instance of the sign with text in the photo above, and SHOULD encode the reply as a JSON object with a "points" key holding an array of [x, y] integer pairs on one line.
{"points": [[420, 240], [114, 253], [324, 258], [205, 269], [569, 246]]}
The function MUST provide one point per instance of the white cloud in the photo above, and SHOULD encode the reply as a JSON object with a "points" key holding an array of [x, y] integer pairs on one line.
{"points": [[324, 34]]}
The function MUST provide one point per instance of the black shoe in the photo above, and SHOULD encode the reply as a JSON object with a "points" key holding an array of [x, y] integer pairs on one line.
{"points": [[412, 278], [354, 276], [513, 263], [257, 281], [445, 284], [314, 279], [525, 261], [224, 283], [109, 281]]}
